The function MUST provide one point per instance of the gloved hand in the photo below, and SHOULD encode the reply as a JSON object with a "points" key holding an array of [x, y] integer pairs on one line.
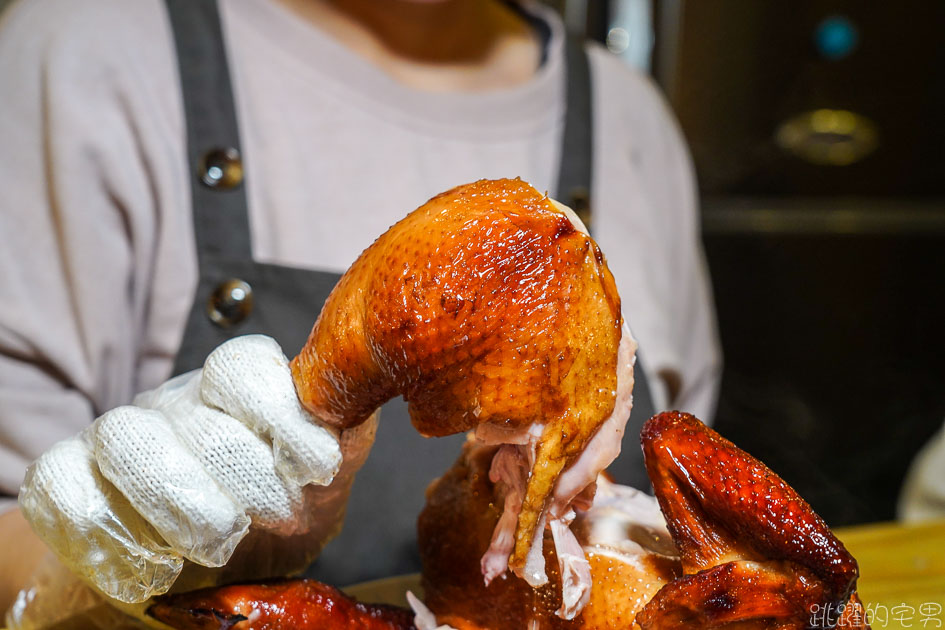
{"points": [[188, 470]]}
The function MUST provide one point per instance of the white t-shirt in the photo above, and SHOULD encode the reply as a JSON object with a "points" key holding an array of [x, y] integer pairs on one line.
{"points": [[97, 259]]}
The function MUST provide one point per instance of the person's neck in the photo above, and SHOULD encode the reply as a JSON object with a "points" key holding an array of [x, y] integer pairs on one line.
{"points": [[438, 45]]}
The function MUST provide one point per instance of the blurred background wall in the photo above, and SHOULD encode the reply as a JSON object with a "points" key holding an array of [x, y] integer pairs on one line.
{"points": [[818, 132]]}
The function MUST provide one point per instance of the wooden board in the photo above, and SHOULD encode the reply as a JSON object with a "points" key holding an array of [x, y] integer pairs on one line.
{"points": [[902, 573]]}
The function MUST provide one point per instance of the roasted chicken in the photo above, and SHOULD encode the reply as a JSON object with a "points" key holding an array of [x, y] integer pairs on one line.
{"points": [[737, 549], [746, 551], [489, 310]]}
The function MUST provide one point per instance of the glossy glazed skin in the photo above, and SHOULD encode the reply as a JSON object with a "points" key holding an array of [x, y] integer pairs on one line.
{"points": [[752, 553], [484, 305], [283, 605], [752, 550]]}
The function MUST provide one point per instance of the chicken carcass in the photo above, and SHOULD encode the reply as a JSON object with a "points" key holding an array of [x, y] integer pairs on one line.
{"points": [[490, 310], [739, 547], [622, 534]]}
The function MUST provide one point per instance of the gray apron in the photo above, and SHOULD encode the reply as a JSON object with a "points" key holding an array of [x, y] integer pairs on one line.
{"points": [[237, 296]]}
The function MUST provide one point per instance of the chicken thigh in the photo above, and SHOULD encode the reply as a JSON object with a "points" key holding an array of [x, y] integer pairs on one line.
{"points": [[488, 309]]}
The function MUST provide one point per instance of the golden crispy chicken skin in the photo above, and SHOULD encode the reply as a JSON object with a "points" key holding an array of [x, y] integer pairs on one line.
{"points": [[483, 306]]}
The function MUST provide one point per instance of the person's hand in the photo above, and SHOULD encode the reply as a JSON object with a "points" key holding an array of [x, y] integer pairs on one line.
{"points": [[188, 470]]}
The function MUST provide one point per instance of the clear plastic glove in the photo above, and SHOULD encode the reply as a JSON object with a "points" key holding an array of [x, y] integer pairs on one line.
{"points": [[184, 474]]}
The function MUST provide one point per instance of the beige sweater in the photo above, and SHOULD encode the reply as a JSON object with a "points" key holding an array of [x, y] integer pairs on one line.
{"points": [[97, 261]]}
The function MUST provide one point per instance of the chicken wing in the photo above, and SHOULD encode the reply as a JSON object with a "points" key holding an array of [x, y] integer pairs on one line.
{"points": [[751, 548]]}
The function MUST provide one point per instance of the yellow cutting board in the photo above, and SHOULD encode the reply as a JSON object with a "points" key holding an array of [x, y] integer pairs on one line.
{"points": [[902, 573]]}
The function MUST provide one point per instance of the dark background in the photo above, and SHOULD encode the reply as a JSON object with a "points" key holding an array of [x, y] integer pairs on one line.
{"points": [[829, 279]]}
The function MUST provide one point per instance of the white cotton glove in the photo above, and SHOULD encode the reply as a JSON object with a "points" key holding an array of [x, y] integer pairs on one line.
{"points": [[188, 470]]}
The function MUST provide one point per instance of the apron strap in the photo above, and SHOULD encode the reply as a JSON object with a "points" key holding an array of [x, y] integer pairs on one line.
{"points": [[577, 144], [220, 209]]}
